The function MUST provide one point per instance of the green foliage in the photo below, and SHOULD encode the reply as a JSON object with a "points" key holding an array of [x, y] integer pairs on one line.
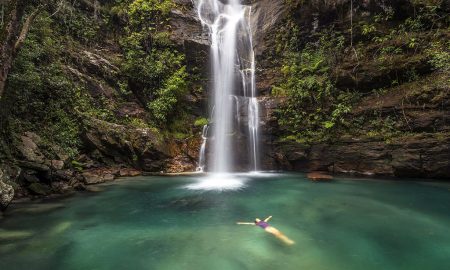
{"points": [[153, 67], [41, 91], [77, 25], [386, 15], [77, 165], [137, 123], [439, 55], [368, 29], [201, 122], [167, 97], [313, 107], [149, 15], [46, 98]]}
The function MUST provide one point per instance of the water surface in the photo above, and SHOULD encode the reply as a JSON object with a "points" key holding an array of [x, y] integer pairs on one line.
{"points": [[157, 223]]}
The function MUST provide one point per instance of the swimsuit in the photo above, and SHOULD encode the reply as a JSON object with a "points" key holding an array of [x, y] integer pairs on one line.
{"points": [[263, 224]]}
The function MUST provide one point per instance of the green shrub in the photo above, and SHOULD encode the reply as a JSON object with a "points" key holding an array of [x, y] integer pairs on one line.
{"points": [[201, 122], [153, 67], [313, 107], [439, 55], [165, 104]]}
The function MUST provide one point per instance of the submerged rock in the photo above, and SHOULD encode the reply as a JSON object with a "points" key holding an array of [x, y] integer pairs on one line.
{"points": [[319, 176], [9, 235]]}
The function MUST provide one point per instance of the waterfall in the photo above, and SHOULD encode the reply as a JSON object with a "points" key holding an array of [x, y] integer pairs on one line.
{"points": [[233, 85], [202, 156]]}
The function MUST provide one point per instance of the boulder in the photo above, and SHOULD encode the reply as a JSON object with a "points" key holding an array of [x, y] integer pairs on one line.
{"points": [[61, 187], [29, 149], [97, 176], [57, 164], [138, 147], [39, 167], [39, 189], [92, 178], [6, 192], [63, 175], [29, 176], [129, 172]]}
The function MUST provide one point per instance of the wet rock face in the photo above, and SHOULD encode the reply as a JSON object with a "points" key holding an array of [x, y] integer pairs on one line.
{"points": [[186, 26], [265, 15]]}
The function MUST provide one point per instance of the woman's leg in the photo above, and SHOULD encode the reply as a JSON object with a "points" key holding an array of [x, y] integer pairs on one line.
{"points": [[279, 235]]}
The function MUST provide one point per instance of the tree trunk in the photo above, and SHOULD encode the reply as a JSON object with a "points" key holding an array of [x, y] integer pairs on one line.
{"points": [[12, 37]]}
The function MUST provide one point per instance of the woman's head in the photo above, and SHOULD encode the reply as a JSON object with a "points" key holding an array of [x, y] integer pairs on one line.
{"points": [[257, 220]]}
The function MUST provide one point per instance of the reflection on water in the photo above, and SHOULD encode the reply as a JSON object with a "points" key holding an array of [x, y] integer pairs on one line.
{"points": [[157, 223]]}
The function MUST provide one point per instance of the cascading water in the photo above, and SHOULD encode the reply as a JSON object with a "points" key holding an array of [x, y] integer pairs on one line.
{"points": [[202, 156], [233, 85]]}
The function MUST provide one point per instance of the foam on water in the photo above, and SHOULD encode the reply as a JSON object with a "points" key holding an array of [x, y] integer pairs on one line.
{"points": [[218, 182]]}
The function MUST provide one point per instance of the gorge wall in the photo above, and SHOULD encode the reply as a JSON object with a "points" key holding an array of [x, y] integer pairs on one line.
{"points": [[381, 57], [381, 106]]}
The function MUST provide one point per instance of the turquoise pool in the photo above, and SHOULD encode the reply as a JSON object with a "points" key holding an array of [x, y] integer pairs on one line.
{"points": [[181, 223]]}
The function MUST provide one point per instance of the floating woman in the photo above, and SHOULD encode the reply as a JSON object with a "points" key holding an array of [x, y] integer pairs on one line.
{"points": [[264, 225]]}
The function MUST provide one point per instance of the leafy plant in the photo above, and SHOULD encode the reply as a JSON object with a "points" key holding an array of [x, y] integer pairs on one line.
{"points": [[200, 122], [312, 106], [153, 66], [439, 55], [167, 97]]}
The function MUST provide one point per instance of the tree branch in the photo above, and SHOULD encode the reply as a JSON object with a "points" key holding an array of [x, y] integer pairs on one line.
{"points": [[26, 28]]}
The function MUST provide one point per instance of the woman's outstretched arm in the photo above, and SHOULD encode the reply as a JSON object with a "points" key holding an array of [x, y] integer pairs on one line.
{"points": [[245, 223], [268, 218]]}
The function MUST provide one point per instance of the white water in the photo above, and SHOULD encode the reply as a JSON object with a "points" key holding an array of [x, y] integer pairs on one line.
{"points": [[202, 156], [233, 62]]}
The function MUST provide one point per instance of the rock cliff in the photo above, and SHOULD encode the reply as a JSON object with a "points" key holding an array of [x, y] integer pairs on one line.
{"points": [[417, 105]]}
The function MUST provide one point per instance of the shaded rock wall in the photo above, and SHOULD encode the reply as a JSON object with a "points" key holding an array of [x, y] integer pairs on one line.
{"points": [[413, 157]]}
